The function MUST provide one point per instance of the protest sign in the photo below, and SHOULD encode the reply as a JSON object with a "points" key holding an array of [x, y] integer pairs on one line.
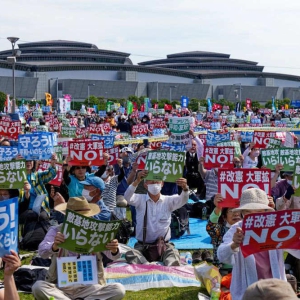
{"points": [[73, 270], [296, 179], [285, 156], [86, 153], [34, 124], [247, 136], [231, 183], [68, 132], [113, 155], [218, 157], [108, 140], [212, 138], [99, 128], [12, 174], [271, 231], [8, 226], [215, 125], [10, 129], [235, 144], [42, 128], [158, 132], [37, 114], [289, 140], [273, 143], [139, 129], [262, 138], [8, 153], [179, 128], [87, 235], [168, 146], [165, 165], [36, 146], [44, 165]]}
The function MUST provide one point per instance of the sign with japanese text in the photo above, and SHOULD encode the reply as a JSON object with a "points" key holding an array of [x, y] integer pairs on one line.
{"points": [[113, 155], [8, 226], [179, 128], [273, 143], [72, 270], [68, 132], [59, 172], [108, 140], [8, 153], [168, 146], [10, 129], [235, 144], [36, 146], [86, 153], [12, 174], [37, 114], [231, 183], [285, 156], [221, 157], [42, 128], [296, 179], [87, 235], [213, 138], [139, 129], [165, 165], [247, 136], [271, 231], [99, 128], [261, 138]]}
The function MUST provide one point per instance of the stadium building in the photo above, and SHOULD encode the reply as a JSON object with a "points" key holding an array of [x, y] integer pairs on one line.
{"points": [[76, 68]]}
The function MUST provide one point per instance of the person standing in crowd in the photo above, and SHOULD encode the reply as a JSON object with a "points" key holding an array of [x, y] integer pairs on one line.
{"points": [[251, 155], [261, 265], [281, 186], [154, 210], [123, 125]]}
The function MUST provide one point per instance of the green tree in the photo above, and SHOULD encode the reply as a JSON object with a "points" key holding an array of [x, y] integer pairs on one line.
{"points": [[92, 101], [2, 100]]}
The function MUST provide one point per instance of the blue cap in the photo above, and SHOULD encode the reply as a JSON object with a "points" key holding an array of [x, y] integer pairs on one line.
{"points": [[94, 181]]}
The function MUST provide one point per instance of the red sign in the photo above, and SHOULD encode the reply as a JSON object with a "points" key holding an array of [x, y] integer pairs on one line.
{"points": [[155, 145], [231, 183], [81, 132], [218, 157], [86, 153], [99, 128], [141, 159], [248, 103], [139, 129], [261, 138], [168, 107], [113, 155], [206, 125], [157, 123], [59, 172], [73, 121], [10, 129], [271, 231]]}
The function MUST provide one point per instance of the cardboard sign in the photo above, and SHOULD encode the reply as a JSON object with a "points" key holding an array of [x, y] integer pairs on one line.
{"points": [[113, 155], [86, 153], [218, 157], [59, 172], [231, 183], [8, 153], [10, 129], [8, 226], [288, 157], [36, 146], [213, 138], [271, 231], [139, 129], [165, 165], [87, 235], [12, 174]]}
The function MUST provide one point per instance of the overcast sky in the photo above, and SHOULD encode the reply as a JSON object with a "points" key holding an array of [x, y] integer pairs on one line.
{"points": [[265, 31]]}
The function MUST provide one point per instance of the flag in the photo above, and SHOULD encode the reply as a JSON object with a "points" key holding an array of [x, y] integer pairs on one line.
{"points": [[146, 104], [273, 105], [48, 98], [129, 107], [209, 105]]}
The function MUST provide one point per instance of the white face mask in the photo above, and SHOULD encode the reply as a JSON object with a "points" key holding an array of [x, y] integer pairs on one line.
{"points": [[104, 175], [154, 189], [290, 182], [86, 195]]}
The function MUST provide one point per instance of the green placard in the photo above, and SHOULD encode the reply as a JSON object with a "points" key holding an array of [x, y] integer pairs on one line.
{"points": [[12, 174], [165, 165], [274, 143], [42, 128], [288, 157], [58, 150], [37, 114], [87, 235], [65, 122], [202, 109], [102, 105], [179, 125], [235, 144], [68, 132], [61, 116], [296, 179], [34, 124]]}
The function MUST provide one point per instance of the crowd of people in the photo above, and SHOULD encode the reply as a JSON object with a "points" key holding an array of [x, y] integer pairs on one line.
{"points": [[105, 192]]}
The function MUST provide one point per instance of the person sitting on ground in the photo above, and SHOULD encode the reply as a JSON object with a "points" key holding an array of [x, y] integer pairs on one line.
{"points": [[158, 209], [50, 247]]}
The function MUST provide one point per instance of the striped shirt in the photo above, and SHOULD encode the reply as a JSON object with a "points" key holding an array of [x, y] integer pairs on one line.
{"points": [[211, 183], [109, 194]]}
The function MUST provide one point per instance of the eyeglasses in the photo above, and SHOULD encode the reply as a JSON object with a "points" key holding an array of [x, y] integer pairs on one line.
{"points": [[78, 167]]}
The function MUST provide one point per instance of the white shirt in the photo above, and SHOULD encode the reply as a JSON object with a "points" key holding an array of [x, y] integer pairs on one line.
{"points": [[158, 213]]}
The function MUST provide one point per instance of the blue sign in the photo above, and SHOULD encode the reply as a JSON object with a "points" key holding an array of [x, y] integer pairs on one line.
{"points": [[102, 113], [184, 101], [158, 131], [142, 113], [171, 147], [199, 117], [46, 108], [215, 125], [295, 103], [121, 109], [209, 105], [108, 140], [255, 121], [8, 226], [247, 136], [36, 146], [212, 138], [8, 153]]}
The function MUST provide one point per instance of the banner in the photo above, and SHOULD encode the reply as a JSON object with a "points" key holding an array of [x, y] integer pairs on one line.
{"points": [[86, 153], [36, 146], [231, 183], [184, 101], [261, 138], [289, 140], [59, 172], [288, 157], [129, 107], [8, 153], [139, 129], [108, 140], [213, 138], [235, 144], [273, 143], [165, 165], [9, 226], [221, 157], [271, 231]]}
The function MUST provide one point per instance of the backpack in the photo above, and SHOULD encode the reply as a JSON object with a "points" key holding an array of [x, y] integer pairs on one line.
{"points": [[33, 234], [179, 222], [26, 277], [125, 229]]}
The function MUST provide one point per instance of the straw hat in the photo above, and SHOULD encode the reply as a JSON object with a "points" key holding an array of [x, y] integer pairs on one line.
{"points": [[254, 198], [79, 205]]}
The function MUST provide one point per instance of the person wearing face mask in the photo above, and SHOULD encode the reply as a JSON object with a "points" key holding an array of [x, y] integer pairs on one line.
{"points": [[237, 163], [251, 157], [156, 209], [281, 186]]}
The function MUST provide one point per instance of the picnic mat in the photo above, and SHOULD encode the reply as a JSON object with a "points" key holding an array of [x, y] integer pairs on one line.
{"points": [[197, 239], [141, 277]]}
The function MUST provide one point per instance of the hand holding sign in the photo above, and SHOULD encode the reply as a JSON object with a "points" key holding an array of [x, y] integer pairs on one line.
{"points": [[59, 238], [53, 160], [12, 263], [237, 239], [113, 246]]}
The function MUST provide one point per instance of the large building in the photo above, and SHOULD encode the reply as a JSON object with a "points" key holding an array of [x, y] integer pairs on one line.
{"points": [[75, 68]]}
